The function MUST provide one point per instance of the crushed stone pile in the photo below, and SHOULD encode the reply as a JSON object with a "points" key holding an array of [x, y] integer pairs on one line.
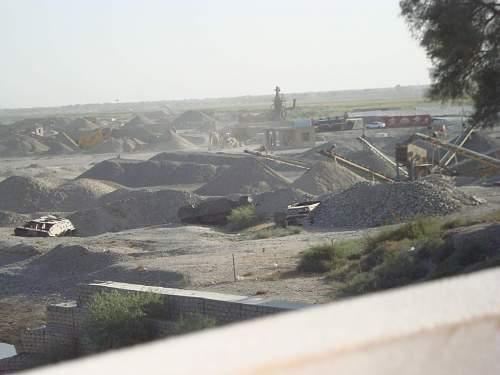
{"points": [[28, 194], [246, 177], [268, 203], [64, 260], [145, 208], [134, 173], [368, 205], [326, 177]]}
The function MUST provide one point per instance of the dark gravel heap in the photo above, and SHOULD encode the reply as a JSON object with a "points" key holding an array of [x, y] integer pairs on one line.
{"points": [[134, 173], [367, 205]]}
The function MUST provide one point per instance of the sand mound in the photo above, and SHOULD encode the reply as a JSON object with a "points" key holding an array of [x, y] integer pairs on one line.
{"points": [[367, 205], [58, 148], [217, 159], [145, 209], [72, 260], [135, 173], [221, 159], [8, 218], [17, 253], [326, 177], [172, 141], [24, 194], [247, 176], [192, 119], [79, 194], [118, 145], [139, 119], [268, 203], [28, 194], [21, 145]]}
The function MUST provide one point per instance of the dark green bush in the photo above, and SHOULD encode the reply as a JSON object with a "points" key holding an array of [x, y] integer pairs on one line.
{"points": [[241, 218], [317, 259], [116, 319]]}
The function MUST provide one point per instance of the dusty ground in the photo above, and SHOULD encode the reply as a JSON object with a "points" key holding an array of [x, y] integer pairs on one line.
{"points": [[190, 256]]}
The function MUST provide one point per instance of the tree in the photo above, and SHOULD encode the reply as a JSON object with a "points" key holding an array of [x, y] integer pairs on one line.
{"points": [[462, 39]]}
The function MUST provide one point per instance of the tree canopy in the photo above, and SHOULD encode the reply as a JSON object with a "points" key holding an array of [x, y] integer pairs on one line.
{"points": [[462, 39]]}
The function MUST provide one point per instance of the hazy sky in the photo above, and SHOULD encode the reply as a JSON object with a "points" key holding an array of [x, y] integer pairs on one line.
{"points": [[57, 52]]}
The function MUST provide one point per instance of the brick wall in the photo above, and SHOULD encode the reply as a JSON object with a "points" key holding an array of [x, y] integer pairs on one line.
{"points": [[65, 320], [223, 308]]}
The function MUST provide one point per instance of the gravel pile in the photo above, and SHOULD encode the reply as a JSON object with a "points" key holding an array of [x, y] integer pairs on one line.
{"points": [[145, 208], [246, 177], [367, 205], [29, 194], [133, 173], [326, 177], [72, 260]]}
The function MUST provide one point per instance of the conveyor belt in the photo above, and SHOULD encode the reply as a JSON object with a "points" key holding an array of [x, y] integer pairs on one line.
{"points": [[485, 159], [383, 156], [450, 154], [279, 159], [362, 170]]}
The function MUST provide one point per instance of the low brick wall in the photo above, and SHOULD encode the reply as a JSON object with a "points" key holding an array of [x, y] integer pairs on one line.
{"points": [[65, 320], [224, 308], [20, 362]]}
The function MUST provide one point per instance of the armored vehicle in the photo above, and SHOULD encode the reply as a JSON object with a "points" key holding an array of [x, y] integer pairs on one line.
{"points": [[46, 226]]}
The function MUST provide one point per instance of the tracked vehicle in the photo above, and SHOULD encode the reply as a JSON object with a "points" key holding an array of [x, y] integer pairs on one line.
{"points": [[46, 226]]}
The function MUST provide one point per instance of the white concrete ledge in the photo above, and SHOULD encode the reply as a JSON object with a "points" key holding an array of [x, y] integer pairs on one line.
{"points": [[450, 326]]}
